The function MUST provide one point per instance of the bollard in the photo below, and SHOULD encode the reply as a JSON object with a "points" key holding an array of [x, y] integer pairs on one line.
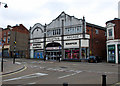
{"points": [[103, 80], [65, 84], [59, 59], [14, 60]]}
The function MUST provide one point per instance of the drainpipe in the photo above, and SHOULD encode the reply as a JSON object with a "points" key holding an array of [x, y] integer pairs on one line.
{"points": [[45, 42]]}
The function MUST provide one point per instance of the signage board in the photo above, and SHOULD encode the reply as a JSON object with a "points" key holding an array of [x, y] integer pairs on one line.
{"points": [[38, 40], [53, 48], [53, 39], [72, 37], [37, 45], [71, 44]]}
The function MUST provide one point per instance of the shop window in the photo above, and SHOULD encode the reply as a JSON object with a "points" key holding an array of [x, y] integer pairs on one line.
{"points": [[72, 54], [111, 53]]}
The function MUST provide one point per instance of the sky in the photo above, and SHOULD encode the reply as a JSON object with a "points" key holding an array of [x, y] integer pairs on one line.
{"points": [[30, 12]]}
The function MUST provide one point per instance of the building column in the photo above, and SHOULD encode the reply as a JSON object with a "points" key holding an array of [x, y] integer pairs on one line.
{"points": [[62, 36], [44, 52], [116, 53], [80, 48], [107, 52], [31, 53]]}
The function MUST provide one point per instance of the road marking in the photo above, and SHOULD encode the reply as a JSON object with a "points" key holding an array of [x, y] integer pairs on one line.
{"points": [[14, 72], [27, 76], [32, 83], [18, 63], [69, 75]]}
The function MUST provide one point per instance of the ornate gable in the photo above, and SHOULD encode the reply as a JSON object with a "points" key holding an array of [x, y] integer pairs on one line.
{"points": [[69, 21]]}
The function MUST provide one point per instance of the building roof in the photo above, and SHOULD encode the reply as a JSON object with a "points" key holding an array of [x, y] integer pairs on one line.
{"points": [[115, 19], [96, 26]]}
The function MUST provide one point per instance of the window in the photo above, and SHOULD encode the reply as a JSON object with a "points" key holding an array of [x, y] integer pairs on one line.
{"points": [[53, 32], [9, 33], [8, 40], [110, 32], [105, 34], [97, 31], [59, 31], [4, 39], [4, 34], [80, 29]]}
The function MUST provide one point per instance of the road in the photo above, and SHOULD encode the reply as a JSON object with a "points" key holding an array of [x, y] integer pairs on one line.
{"points": [[54, 72]]}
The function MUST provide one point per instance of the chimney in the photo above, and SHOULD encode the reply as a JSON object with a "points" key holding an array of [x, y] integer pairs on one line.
{"points": [[119, 9]]}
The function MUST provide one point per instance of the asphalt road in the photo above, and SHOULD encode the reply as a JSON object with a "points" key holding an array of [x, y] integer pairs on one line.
{"points": [[54, 72]]}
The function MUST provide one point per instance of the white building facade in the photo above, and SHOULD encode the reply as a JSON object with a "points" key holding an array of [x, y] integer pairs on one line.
{"points": [[65, 37], [113, 42]]}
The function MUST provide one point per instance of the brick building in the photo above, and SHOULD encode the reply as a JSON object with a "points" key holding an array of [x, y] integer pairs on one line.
{"points": [[67, 37], [18, 34], [97, 40], [113, 40]]}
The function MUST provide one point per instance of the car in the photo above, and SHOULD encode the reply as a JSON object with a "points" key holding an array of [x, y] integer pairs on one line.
{"points": [[94, 59]]}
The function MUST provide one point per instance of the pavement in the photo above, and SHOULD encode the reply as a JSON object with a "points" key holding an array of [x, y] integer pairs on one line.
{"points": [[9, 67]]}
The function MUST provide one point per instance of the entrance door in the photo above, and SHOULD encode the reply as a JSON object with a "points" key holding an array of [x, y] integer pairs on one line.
{"points": [[111, 53], [53, 55]]}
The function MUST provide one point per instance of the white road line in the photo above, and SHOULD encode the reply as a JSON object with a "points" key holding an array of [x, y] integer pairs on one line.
{"points": [[32, 83], [68, 75], [17, 62], [27, 76]]}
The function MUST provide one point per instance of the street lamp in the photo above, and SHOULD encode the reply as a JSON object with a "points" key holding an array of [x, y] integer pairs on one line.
{"points": [[5, 5], [2, 55]]}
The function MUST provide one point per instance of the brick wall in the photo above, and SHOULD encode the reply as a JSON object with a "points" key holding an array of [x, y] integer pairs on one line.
{"points": [[97, 41], [22, 38]]}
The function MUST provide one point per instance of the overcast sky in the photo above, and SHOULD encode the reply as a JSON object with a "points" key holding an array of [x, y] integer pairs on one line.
{"points": [[29, 12]]}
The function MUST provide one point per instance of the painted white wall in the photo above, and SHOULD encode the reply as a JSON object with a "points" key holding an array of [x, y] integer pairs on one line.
{"points": [[84, 43]]}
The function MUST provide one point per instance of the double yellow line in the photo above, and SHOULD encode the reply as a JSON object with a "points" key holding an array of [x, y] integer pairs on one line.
{"points": [[15, 72]]}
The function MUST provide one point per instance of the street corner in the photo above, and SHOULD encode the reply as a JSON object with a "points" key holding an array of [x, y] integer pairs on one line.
{"points": [[10, 69]]}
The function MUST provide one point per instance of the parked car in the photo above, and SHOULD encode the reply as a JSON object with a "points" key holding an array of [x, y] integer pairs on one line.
{"points": [[94, 59]]}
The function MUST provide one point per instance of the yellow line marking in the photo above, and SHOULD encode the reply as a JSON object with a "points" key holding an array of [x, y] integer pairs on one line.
{"points": [[14, 72]]}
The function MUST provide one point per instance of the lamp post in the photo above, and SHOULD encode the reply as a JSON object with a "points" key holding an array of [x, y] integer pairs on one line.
{"points": [[5, 5], [2, 56]]}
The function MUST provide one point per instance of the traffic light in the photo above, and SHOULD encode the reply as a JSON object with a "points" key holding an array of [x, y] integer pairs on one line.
{"points": [[14, 42]]}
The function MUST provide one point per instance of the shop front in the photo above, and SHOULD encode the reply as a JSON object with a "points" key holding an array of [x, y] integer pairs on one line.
{"points": [[76, 49], [38, 54], [53, 51], [111, 53]]}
